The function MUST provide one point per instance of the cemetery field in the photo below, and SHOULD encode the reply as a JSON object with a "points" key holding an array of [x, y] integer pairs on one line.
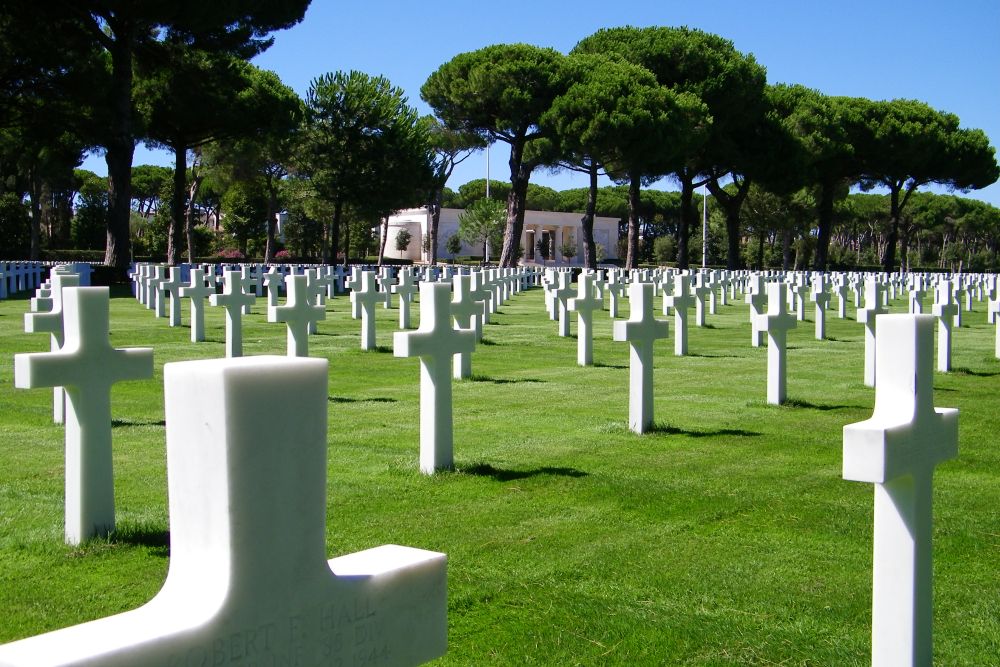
{"points": [[726, 536]]}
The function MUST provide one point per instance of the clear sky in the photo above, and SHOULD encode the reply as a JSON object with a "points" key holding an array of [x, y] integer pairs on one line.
{"points": [[945, 53]]}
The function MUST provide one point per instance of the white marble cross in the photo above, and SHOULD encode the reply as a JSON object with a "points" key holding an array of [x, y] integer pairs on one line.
{"points": [[481, 292], [435, 343], [354, 283], [364, 296], [467, 313], [197, 291], [297, 313], [840, 289], [917, 294], [874, 306], [821, 298], [615, 289], [171, 287], [756, 297], [155, 296], [681, 301], [274, 279], [946, 311], [958, 291], [701, 292], [52, 323], [249, 582], [776, 322], [584, 304], [250, 283], [640, 331], [385, 278], [405, 289], [87, 366], [897, 451], [562, 294], [993, 308], [798, 290], [236, 302]]}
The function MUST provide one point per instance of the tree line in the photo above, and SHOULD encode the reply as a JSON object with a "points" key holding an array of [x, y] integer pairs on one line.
{"points": [[635, 104]]}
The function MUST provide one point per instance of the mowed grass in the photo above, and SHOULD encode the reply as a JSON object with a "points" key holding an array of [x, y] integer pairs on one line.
{"points": [[724, 537]]}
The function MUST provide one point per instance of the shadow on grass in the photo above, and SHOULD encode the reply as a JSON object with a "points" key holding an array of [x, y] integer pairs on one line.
{"points": [[979, 374], [712, 356], [487, 342], [153, 538], [373, 399], [117, 423], [486, 378], [380, 349], [500, 475], [799, 403], [706, 325], [618, 367], [669, 429]]}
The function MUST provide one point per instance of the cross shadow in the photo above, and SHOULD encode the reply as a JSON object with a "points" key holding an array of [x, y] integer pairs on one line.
{"points": [[487, 342], [380, 349], [669, 429], [500, 475], [155, 539], [799, 403], [979, 374], [712, 356], [373, 399], [486, 378], [117, 423], [615, 366]]}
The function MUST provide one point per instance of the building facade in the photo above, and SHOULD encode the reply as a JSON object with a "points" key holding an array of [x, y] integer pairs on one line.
{"points": [[542, 229]]}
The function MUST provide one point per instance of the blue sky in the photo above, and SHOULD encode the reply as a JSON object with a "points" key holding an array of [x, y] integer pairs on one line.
{"points": [[944, 53]]}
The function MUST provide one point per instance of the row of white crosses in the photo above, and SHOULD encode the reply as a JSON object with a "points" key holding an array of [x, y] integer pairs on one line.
{"points": [[20, 277]]}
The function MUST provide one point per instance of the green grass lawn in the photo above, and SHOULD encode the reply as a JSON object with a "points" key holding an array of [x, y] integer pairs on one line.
{"points": [[724, 537]]}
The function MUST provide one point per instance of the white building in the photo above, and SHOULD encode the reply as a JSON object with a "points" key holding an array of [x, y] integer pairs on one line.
{"points": [[549, 227]]}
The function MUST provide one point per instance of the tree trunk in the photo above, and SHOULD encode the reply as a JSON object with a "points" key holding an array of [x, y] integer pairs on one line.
{"points": [[49, 214], [35, 192], [177, 205], [760, 249], [587, 221], [786, 248], [824, 211], [196, 179], [120, 149], [889, 258], [520, 173], [731, 205], [272, 222], [435, 210], [347, 244], [383, 224], [632, 259], [687, 218]]}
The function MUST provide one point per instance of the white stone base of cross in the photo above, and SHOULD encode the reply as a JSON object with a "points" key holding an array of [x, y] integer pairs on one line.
{"points": [[249, 582]]}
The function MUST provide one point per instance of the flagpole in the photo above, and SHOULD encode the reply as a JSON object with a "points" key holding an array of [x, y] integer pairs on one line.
{"points": [[704, 226]]}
